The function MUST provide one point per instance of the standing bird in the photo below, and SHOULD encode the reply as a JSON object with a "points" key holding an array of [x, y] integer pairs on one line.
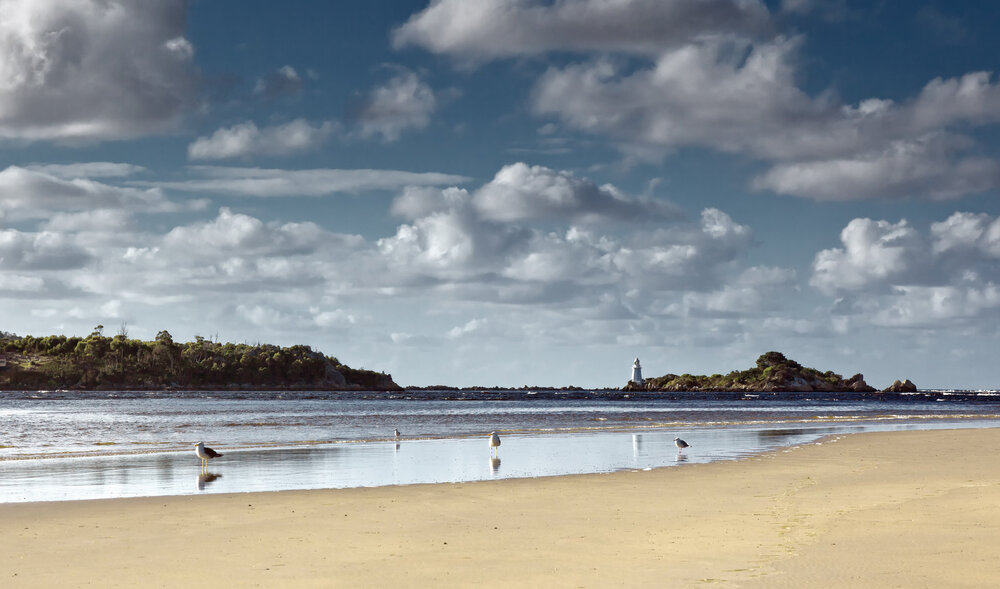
{"points": [[205, 453], [494, 442], [681, 444], [396, 431]]}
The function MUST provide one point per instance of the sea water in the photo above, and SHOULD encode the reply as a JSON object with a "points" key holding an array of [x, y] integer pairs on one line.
{"points": [[74, 445]]}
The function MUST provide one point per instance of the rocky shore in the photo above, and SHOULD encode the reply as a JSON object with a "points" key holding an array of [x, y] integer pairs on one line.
{"points": [[773, 372]]}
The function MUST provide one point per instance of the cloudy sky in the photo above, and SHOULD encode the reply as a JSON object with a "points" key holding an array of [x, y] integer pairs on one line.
{"points": [[509, 192]]}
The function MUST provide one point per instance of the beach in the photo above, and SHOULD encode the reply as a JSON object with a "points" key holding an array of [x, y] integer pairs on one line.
{"points": [[915, 508]]}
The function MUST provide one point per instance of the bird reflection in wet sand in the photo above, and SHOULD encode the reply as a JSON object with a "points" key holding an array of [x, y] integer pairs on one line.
{"points": [[207, 478], [494, 464], [636, 444]]}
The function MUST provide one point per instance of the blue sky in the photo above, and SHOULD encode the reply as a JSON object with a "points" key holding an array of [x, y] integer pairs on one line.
{"points": [[509, 192]]}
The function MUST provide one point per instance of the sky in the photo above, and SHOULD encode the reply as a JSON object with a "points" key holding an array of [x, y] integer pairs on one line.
{"points": [[512, 192]]}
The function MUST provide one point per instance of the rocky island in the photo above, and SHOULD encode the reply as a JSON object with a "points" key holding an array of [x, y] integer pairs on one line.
{"points": [[98, 362], [773, 372]]}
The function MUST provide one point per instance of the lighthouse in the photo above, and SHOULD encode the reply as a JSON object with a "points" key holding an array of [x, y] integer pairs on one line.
{"points": [[636, 372]]}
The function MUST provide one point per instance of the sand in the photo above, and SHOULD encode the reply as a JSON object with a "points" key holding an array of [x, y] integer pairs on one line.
{"points": [[901, 509]]}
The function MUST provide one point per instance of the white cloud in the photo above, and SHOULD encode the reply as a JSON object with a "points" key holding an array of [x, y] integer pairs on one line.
{"points": [[875, 253], [520, 192], [92, 69], [903, 169], [923, 306], [87, 170], [280, 82], [26, 193], [729, 95], [404, 102], [742, 97], [967, 233], [20, 283], [234, 233], [107, 221], [501, 257], [890, 274], [43, 250], [471, 327], [828, 9], [334, 318], [265, 182], [245, 139], [488, 29]]}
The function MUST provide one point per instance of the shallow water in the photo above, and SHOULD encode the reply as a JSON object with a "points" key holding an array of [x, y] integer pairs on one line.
{"points": [[62, 446]]}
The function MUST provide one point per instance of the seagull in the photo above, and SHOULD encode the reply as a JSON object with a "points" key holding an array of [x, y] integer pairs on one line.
{"points": [[494, 442], [205, 453], [681, 444], [396, 431]]}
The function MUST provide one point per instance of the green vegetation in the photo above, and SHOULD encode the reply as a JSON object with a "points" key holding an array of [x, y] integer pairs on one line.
{"points": [[118, 362], [773, 372]]}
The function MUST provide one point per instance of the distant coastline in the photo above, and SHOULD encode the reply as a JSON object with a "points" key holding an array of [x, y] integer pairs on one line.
{"points": [[99, 362], [773, 372]]}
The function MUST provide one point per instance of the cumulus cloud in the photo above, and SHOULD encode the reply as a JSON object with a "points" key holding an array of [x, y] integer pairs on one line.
{"points": [[269, 182], [967, 234], [248, 236], [246, 139], [507, 28], [93, 69], [730, 95], [519, 192], [404, 102], [714, 94], [893, 275], [454, 238], [715, 76], [875, 253]]}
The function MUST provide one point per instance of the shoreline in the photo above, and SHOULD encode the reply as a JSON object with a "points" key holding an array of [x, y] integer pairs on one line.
{"points": [[865, 510]]}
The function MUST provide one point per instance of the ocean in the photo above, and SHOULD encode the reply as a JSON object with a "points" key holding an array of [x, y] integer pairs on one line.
{"points": [[63, 445]]}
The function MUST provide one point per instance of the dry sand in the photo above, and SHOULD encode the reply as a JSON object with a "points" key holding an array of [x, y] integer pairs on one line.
{"points": [[905, 509]]}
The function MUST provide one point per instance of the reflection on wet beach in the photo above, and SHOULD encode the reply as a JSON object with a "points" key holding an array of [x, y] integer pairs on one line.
{"points": [[421, 461], [207, 478]]}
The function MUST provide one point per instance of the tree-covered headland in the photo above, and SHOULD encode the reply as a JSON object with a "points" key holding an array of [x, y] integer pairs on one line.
{"points": [[120, 362], [773, 372]]}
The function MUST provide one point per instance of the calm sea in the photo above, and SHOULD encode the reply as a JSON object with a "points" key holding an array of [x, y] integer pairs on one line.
{"points": [[70, 445]]}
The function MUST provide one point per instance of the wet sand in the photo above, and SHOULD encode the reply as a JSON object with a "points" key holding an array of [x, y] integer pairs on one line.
{"points": [[905, 509]]}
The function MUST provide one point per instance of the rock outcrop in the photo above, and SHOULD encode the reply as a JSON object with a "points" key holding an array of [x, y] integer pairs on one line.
{"points": [[901, 387], [773, 372]]}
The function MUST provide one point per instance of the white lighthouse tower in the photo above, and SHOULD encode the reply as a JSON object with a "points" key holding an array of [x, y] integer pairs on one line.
{"points": [[636, 372]]}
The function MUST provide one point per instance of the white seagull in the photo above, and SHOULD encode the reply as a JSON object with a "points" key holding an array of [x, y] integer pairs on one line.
{"points": [[681, 444], [205, 453], [494, 442]]}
